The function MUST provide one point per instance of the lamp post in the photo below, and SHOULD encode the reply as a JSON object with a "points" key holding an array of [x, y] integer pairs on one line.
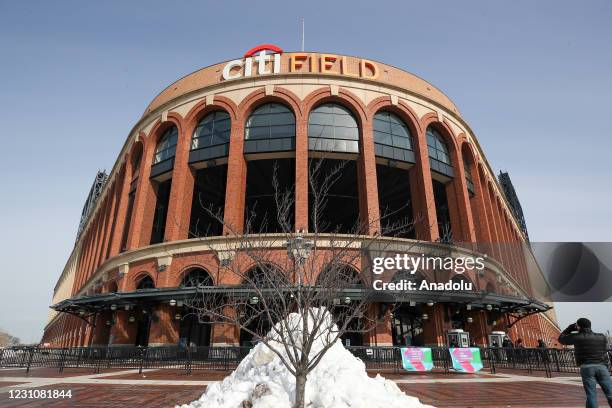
{"points": [[299, 250]]}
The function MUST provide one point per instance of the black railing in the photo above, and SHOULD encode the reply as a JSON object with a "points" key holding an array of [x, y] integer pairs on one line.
{"points": [[387, 359]]}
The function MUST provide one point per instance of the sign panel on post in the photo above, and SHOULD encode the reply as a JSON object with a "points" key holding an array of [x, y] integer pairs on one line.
{"points": [[417, 359], [466, 360]]}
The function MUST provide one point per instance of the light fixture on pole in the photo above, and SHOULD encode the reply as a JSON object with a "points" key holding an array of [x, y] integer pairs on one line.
{"points": [[172, 302], [113, 307]]}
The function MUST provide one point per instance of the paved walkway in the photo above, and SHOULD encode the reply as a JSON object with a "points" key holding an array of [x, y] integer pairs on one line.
{"points": [[166, 388]]}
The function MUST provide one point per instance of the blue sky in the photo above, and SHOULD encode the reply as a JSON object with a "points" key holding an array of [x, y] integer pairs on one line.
{"points": [[533, 80]]}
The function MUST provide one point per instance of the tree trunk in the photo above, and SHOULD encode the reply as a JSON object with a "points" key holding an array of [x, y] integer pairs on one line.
{"points": [[300, 390]]}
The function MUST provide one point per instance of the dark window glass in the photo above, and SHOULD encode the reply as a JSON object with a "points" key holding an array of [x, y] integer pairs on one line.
{"points": [[146, 283], [438, 150], [337, 211], [212, 130], [128, 220], [394, 201], [262, 214], [196, 278], [468, 176], [270, 121], [136, 164], [166, 146], [442, 212], [194, 331], [208, 201], [161, 212], [332, 121], [390, 130]]}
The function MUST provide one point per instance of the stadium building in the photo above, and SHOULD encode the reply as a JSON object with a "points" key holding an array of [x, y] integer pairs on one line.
{"points": [[213, 139]]}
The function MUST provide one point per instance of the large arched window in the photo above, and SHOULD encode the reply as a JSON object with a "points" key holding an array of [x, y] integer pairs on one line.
{"points": [[163, 161], [146, 282], [166, 146], [439, 157], [136, 160], [270, 128], [338, 276], [266, 276], [195, 278], [403, 275], [468, 176], [332, 127], [211, 137], [392, 138], [440, 163]]}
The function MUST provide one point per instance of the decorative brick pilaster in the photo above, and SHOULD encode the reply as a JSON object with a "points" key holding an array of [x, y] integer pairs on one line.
{"points": [[164, 328], [236, 181]]}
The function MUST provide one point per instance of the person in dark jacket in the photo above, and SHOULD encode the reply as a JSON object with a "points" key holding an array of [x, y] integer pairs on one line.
{"points": [[590, 350]]}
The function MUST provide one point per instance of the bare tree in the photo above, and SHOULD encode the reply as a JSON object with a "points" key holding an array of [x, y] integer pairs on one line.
{"points": [[310, 274]]}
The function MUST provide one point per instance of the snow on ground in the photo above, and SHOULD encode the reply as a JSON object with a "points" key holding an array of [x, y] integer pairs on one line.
{"points": [[338, 381]]}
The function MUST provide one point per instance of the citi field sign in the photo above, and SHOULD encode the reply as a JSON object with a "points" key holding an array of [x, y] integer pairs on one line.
{"points": [[266, 59]]}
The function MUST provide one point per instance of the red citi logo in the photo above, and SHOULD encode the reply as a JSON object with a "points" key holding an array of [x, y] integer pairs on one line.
{"points": [[262, 54]]}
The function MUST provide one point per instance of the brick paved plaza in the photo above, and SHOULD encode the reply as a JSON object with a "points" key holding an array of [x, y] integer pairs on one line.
{"points": [[165, 388]]}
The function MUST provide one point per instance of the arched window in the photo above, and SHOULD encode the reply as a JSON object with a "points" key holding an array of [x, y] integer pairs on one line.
{"points": [[468, 176], [332, 127], [136, 159], [270, 128], [338, 276], [112, 288], [404, 275], [266, 276], [213, 134], [195, 278], [166, 146], [146, 282], [439, 157], [392, 138]]}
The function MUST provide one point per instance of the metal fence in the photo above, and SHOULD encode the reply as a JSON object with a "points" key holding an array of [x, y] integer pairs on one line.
{"points": [[389, 359]]}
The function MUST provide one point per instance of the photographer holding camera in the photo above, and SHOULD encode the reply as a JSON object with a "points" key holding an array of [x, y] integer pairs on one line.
{"points": [[591, 352]]}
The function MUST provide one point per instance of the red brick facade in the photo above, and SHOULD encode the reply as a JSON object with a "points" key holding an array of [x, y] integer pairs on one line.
{"points": [[482, 217]]}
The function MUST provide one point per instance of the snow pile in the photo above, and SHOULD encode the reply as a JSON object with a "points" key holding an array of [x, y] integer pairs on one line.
{"points": [[338, 381]]}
